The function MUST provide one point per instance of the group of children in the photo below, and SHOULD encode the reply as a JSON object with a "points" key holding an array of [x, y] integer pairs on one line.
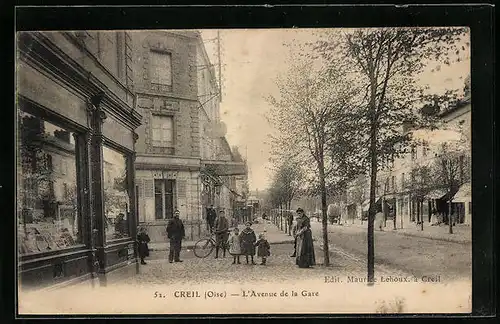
{"points": [[244, 243]]}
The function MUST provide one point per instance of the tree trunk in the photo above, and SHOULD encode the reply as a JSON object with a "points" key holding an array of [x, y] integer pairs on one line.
{"points": [[450, 221], [281, 216], [418, 211], [373, 183], [394, 215], [384, 211], [422, 215], [324, 219], [401, 211]]}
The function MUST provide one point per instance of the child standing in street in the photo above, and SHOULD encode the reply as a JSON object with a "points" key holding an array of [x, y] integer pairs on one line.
{"points": [[143, 240], [248, 239], [235, 246], [263, 248]]}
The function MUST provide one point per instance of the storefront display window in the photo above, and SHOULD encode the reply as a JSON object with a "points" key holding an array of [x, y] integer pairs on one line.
{"points": [[116, 196], [47, 207]]}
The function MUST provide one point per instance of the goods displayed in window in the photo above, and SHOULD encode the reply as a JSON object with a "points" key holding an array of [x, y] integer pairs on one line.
{"points": [[47, 209], [116, 195]]}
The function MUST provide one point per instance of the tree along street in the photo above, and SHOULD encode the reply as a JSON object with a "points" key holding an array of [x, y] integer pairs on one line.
{"points": [[416, 255]]}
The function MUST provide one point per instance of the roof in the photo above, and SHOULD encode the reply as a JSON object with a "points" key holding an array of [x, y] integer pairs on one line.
{"points": [[460, 104]]}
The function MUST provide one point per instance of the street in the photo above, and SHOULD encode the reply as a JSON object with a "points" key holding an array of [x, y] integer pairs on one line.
{"points": [[215, 285], [280, 267], [416, 255]]}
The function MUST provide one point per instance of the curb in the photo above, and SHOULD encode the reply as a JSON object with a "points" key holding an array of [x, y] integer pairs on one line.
{"points": [[454, 240], [445, 239]]}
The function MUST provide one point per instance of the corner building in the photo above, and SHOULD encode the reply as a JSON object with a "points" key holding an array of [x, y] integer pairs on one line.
{"points": [[180, 135], [167, 164]]}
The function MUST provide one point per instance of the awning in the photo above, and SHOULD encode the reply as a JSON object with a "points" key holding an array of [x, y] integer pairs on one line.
{"points": [[436, 194], [226, 168], [463, 194]]}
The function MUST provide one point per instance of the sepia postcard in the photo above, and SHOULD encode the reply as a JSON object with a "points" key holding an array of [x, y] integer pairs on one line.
{"points": [[244, 171]]}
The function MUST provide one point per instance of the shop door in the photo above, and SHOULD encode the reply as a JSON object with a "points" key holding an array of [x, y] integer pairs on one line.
{"points": [[164, 198], [169, 198]]}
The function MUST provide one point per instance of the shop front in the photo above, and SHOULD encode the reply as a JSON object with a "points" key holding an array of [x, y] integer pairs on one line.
{"points": [[75, 175], [166, 184], [437, 205], [463, 201]]}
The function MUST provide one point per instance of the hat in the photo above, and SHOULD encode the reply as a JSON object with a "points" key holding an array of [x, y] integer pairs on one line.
{"points": [[246, 223]]}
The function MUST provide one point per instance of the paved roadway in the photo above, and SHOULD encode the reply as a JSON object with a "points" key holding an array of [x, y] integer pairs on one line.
{"points": [[416, 255]]}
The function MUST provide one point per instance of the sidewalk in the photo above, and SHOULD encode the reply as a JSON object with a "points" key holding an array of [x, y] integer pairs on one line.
{"points": [[273, 234], [461, 233]]}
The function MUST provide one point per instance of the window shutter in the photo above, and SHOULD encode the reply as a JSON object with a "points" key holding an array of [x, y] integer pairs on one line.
{"points": [[148, 188], [181, 188], [140, 187]]}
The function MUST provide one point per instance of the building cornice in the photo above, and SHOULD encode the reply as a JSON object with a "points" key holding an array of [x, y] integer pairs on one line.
{"points": [[159, 166], [73, 39]]}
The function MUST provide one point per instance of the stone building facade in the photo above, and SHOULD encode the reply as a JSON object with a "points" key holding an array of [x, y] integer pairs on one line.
{"points": [[178, 102]]}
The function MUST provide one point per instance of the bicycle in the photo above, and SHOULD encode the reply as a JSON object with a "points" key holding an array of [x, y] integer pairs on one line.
{"points": [[205, 246]]}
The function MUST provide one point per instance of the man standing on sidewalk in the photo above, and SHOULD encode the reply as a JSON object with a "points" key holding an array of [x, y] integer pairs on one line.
{"points": [[211, 216], [175, 232], [221, 234]]}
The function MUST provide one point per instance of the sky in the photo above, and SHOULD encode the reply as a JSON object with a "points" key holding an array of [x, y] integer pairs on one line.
{"points": [[251, 60]]}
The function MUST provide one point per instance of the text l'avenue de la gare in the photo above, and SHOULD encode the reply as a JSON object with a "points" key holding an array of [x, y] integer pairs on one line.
{"points": [[245, 293]]}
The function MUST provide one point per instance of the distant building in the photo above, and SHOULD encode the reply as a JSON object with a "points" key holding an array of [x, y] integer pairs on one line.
{"points": [[394, 191]]}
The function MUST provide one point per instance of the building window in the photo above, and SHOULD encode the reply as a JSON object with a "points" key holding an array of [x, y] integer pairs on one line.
{"points": [[163, 132], [164, 198], [161, 68], [48, 211], [393, 183], [402, 180], [116, 194]]}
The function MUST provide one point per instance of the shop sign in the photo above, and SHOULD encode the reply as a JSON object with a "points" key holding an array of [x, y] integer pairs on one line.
{"points": [[159, 174]]}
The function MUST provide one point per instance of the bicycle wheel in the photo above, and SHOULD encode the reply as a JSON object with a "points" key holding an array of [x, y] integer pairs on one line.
{"points": [[203, 248]]}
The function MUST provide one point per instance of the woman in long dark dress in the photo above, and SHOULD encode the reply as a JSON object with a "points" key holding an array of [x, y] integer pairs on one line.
{"points": [[305, 248], [143, 240]]}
